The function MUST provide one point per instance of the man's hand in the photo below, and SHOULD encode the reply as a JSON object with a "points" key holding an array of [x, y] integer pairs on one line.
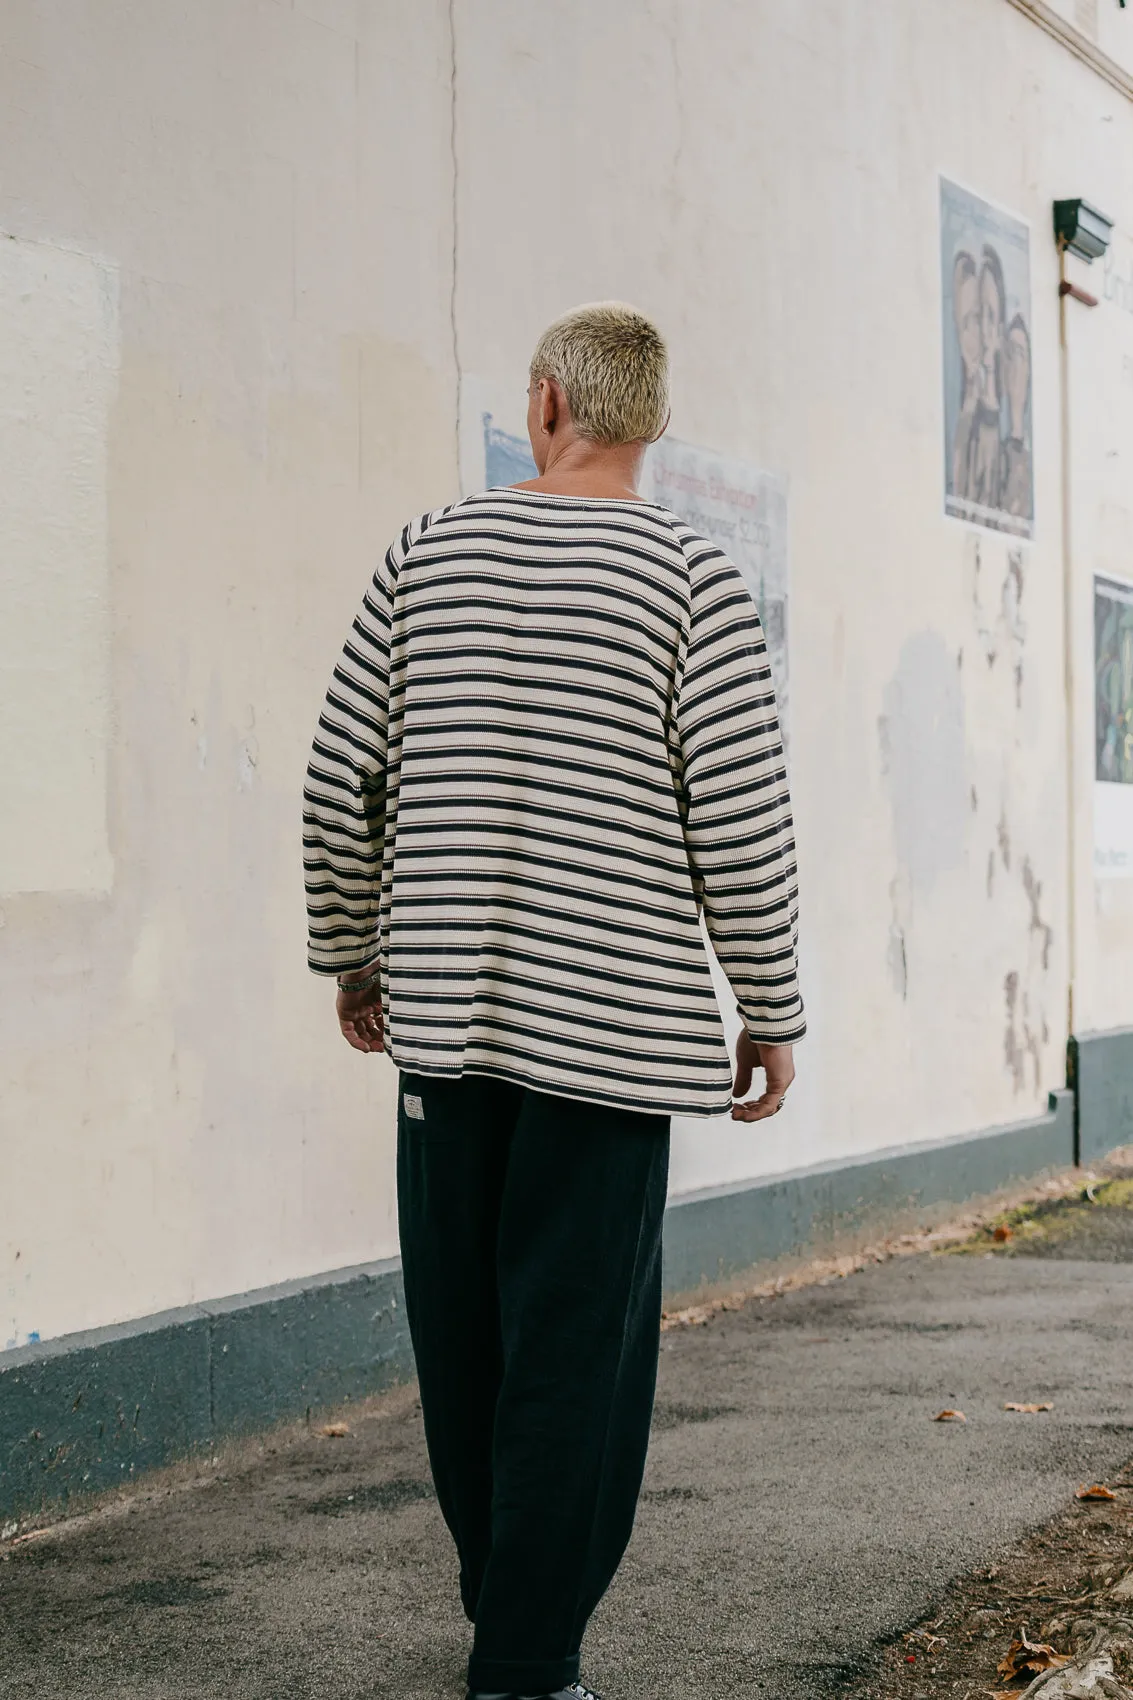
{"points": [[360, 1018], [778, 1065]]}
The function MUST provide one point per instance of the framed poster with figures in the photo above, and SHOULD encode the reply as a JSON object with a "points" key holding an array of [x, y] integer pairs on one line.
{"points": [[985, 260]]}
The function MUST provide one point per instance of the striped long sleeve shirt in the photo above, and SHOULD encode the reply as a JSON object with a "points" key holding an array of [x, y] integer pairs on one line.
{"points": [[549, 745]]}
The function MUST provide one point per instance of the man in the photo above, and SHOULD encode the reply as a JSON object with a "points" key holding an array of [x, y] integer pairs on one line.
{"points": [[549, 746]]}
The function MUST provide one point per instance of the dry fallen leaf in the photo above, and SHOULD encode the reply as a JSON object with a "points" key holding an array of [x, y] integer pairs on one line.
{"points": [[950, 1417], [931, 1641], [1031, 1409], [1095, 1492], [335, 1431], [32, 1535], [1025, 1656], [1001, 1233]]}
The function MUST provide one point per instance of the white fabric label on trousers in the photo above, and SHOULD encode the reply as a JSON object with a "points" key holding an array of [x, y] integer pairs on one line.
{"points": [[414, 1108]]}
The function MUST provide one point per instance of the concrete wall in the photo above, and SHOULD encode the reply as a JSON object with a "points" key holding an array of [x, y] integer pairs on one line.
{"points": [[276, 243]]}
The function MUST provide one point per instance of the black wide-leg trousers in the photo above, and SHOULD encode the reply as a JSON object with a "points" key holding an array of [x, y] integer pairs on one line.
{"points": [[531, 1249]]}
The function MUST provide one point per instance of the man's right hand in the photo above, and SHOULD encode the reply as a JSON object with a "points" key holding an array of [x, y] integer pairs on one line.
{"points": [[360, 1018], [778, 1065]]}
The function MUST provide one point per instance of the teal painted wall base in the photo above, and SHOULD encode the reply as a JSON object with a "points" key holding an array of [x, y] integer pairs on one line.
{"points": [[712, 1235], [86, 1412], [1101, 1070]]}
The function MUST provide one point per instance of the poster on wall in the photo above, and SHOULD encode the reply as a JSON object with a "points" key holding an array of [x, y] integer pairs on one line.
{"points": [[985, 260], [494, 446], [507, 456], [743, 510], [1113, 724]]}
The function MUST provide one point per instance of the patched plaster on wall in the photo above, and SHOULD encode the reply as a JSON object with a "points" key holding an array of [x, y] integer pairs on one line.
{"points": [[59, 357], [921, 732]]}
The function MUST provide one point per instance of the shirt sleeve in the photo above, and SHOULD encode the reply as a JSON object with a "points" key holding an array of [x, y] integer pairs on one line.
{"points": [[734, 797], [344, 798]]}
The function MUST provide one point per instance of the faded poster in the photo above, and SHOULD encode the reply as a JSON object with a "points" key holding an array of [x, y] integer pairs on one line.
{"points": [[743, 510], [494, 448], [507, 456], [986, 322], [1113, 725]]}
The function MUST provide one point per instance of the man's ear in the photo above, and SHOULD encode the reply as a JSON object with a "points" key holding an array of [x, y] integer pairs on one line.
{"points": [[664, 428], [551, 406]]}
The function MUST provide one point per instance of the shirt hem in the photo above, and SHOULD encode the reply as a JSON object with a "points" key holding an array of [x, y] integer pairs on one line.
{"points": [[556, 1089]]}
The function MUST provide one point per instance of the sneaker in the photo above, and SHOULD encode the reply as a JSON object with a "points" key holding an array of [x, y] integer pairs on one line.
{"points": [[574, 1691]]}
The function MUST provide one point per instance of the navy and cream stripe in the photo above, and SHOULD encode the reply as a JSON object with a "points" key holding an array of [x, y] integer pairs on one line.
{"points": [[550, 741]]}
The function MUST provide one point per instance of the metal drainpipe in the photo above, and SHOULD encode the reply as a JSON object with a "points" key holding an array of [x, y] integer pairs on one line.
{"points": [[1068, 646]]}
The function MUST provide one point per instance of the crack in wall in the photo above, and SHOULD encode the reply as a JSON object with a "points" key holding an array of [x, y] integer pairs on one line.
{"points": [[679, 104], [897, 954], [455, 160]]}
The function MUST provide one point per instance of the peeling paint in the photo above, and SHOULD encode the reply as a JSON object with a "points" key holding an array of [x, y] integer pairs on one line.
{"points": [[247, 761], [1034, 891], [1012, 1050], [1013, 592], [898, 960], [1003, 836], [1019, 1046], [999, 618], [990, 872], [897, 953]]}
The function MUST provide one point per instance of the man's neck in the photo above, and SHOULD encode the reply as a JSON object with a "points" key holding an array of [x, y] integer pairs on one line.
{"points": [[582, 468]]}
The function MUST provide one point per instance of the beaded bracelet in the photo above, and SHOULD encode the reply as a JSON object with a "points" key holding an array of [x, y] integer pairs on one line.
{"points": [[359, 985]]}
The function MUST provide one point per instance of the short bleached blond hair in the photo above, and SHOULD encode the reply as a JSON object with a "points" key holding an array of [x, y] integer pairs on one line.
{"points": [[613, 367]]}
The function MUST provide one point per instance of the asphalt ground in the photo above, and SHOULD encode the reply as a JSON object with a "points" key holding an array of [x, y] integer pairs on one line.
{"points": [[801, 1508]]}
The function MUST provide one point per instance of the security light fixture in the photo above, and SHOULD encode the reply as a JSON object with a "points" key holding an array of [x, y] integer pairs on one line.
{"points": [[1081, 229]]}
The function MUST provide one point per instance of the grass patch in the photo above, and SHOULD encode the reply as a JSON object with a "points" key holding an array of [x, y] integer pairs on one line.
{"points": [[1095, 1222]]}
